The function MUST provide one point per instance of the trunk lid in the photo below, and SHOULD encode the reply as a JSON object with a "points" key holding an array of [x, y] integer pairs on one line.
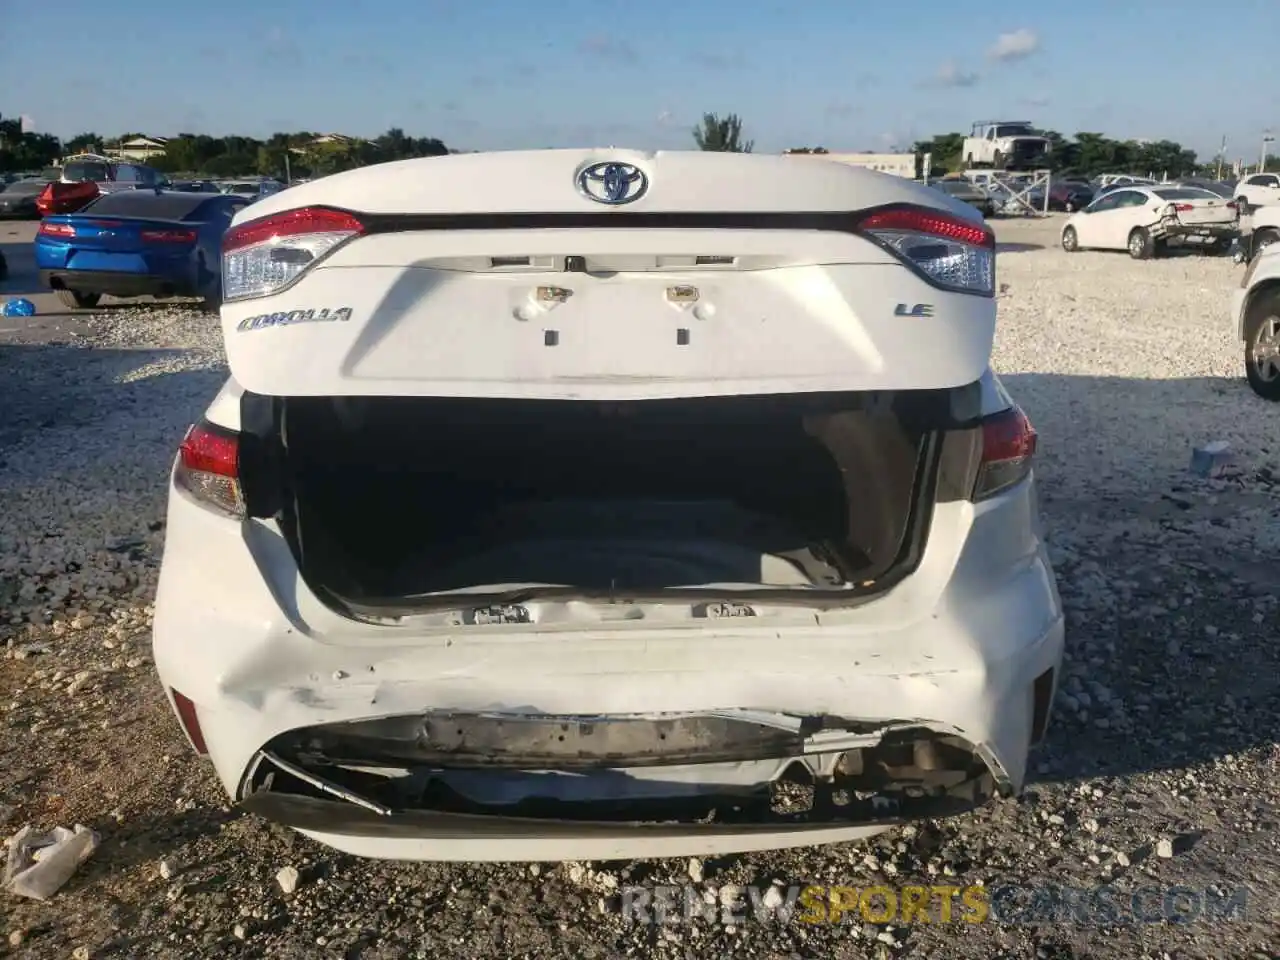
{"points": [[507, 275], [1206, 211]]}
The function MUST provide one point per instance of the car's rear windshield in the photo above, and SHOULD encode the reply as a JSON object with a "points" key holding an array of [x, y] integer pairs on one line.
{"points": [[26, 186], [144, 203], [78, 171], [1182, 193], [242, 188]]}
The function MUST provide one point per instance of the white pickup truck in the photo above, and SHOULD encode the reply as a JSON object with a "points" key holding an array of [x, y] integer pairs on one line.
{"points": [[1005, 145]]}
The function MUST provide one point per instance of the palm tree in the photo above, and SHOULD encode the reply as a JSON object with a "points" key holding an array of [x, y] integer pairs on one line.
{"points": [[721, 135]]}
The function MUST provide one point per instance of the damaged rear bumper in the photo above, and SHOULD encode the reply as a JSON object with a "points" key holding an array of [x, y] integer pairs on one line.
{"points": [[608, 740], [1173, 229], [476, 785]]}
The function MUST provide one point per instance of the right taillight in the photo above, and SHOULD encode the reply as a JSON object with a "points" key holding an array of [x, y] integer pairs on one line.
{"points": [[1008, 446], [267, 255], [208, 468], [169, 236], [949, 251]]}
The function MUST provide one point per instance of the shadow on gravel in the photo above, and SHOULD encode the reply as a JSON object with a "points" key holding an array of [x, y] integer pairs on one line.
{"points": [[23, 279], [46, 387], [1170, 615], [1018, 247]]}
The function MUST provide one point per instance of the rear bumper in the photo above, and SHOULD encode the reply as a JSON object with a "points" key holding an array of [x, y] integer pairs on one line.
{"points": [[463, 837], [116, 284], [968, 647], [1173, 229]]}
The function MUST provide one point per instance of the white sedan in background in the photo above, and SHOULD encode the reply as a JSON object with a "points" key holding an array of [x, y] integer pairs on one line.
{"points": [[1146, 219], [1260, 190]]}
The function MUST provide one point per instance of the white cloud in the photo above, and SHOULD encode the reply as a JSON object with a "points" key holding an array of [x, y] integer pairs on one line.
{"points": [[607, 47], [950, 75], [1015, 46]]}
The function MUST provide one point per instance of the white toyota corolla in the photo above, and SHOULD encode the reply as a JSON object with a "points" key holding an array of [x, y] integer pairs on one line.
{"points": [[594, 504]]}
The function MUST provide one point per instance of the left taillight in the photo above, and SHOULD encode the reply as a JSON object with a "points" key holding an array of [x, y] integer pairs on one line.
{"points": [[208, 468], [1008, 448], [949, 251], [190, 721], [267, 255], [63, 230]]}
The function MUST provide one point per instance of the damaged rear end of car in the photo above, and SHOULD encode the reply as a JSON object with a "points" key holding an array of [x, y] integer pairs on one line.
{"points": [[591, 532]]}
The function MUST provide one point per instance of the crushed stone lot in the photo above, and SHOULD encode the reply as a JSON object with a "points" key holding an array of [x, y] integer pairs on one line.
{"points": [[1160, 771]]}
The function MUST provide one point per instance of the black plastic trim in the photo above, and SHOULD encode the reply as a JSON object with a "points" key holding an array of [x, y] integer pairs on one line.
{"points": [[829, 221]]}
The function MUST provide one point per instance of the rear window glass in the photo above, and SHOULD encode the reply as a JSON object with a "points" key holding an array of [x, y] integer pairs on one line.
{"points": [[26, 186], [81, 170], [144, 203], [1184, 193]]}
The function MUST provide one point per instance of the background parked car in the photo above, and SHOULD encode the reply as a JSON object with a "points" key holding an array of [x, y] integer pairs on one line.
{"points": [[86, 177], [966, 192], [251, 190], [1066, 195], [1259, 190], [1224, 190], [1146, 219], [137, 243], [18, 199], [194, 186]]}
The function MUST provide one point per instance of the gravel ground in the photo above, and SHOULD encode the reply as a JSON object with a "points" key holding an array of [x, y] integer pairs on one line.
{"points": [[1161, 768]]}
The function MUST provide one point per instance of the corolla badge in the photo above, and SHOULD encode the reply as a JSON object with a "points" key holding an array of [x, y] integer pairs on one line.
{"points": [[612, 183], [287, 318]]}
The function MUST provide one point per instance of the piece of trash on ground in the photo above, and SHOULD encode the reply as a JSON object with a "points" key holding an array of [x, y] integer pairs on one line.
{"points": [[41, 862], [19, 307], [1212, 459]]}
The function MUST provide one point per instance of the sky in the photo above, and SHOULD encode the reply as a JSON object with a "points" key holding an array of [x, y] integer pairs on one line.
{"points": [[510, 74]]}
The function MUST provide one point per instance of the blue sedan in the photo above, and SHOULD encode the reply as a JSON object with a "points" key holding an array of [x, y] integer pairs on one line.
{"points": [[137, 243]]}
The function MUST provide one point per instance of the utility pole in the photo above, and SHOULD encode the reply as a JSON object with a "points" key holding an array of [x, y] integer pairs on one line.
{"points": [[1222, 154], [1262, 160]]}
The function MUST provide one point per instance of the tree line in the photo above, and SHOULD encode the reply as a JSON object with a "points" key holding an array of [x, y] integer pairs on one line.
{"points": [[297, 154], [300, 155]]}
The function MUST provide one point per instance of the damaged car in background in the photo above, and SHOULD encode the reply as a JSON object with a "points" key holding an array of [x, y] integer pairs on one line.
{"points": [[628, 505]]}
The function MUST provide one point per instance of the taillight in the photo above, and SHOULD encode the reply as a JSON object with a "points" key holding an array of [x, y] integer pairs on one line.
{"points": [[1008, 446], [168, 236], [44, 202], [949, 251], [266, 255], [190, 721], [208, 468], [1183, 207], [1231, 205], [57, 229]]}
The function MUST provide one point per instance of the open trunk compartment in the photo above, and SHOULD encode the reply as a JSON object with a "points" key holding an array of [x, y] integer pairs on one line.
{"points": [[392, 504]]}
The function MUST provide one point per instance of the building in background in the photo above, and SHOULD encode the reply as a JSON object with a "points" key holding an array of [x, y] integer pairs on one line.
{"points": [[140, 149]]}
